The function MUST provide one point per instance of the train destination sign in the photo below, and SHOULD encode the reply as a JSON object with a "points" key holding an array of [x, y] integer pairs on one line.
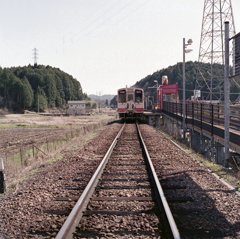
{"points": [[122, 92]]}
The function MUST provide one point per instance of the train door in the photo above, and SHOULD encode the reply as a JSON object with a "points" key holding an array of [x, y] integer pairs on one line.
{"points": [[130, 100]]}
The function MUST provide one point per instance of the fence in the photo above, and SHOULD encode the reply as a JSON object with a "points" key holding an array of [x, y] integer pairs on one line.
{"points": [[206, 116]]}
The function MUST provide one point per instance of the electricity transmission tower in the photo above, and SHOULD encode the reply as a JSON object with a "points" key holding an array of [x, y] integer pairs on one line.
{"points": [[211, 51], [35, 50]]}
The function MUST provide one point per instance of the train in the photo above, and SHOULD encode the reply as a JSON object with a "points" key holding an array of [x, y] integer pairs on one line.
{"points": [[130, 102]]}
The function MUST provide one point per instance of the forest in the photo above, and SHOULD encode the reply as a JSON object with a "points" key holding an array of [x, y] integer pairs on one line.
{"points": [[37, 87]]}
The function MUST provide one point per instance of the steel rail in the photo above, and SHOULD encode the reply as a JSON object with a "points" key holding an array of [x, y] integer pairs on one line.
{"points": [[69, 226], [172, 224]]}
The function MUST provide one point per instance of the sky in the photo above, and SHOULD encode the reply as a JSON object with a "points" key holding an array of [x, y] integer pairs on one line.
{"points": [[104, 44]]}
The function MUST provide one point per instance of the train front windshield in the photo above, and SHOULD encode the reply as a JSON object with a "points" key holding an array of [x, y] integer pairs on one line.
{"points": [[130, 97], [138, 96], [122, 96]]}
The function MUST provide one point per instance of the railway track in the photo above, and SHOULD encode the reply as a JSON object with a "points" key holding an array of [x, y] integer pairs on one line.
{"points": [[202, 206], [124, 198]]}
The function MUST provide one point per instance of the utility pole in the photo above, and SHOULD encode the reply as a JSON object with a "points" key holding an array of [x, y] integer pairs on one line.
{"points": [[226, 96], [189, 42], [35, 54]]}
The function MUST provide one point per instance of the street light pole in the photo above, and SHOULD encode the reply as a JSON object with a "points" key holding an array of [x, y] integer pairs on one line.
{"points": [[184, 83]]}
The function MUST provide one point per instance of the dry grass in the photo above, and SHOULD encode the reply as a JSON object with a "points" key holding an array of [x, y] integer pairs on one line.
{"points": [[58, 121], [15, 170]]}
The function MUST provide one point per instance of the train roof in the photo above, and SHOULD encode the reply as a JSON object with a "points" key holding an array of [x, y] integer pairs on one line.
{"points": [[124, 88]]}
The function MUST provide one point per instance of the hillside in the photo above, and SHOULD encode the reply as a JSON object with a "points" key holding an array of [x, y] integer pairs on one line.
{"points": [[101, 97], [175, 75], [37, 87]]}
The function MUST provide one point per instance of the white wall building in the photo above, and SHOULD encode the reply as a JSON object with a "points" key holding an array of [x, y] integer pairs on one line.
{"points": [[76, 107]]}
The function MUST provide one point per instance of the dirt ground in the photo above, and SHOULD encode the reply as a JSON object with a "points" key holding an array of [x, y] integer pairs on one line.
{"points": [[27, 140]]}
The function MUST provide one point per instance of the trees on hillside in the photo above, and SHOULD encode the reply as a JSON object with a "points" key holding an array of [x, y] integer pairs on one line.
{"points": [[38, 87], [27, 94], [175, 75], [113, 102]]}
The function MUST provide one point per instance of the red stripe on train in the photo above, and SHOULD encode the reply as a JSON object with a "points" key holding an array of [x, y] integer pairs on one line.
{"points": [[121, 110], [139, 109]]}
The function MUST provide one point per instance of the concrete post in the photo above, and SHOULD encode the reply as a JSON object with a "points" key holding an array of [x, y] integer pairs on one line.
{"points": [[220, 155], [158, 121], [2, 177], [162, 121], [195, 140], [202, 144], [150, 121]]}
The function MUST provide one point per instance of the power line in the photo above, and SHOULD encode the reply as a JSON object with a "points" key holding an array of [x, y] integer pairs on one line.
{"points": [[113, 15], [70, 42], [69, 39], [127, 15]]}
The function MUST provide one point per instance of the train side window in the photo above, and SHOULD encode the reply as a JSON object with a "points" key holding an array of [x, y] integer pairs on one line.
{"points": [[122, 96], [138, 96]]}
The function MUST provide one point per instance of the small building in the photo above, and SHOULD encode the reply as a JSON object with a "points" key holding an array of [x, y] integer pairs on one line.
{"points": [[76, 107]]}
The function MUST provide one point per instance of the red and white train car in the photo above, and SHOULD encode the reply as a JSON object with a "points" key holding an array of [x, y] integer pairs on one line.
{"points": [[130, 102]]}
